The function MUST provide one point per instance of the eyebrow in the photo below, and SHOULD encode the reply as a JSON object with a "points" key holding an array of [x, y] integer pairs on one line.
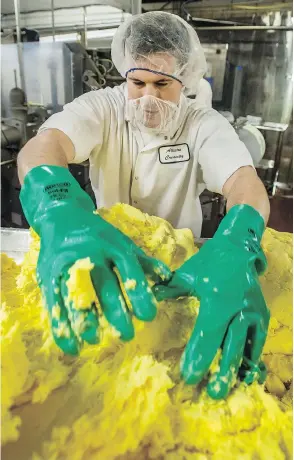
{"points": [[157, 81]]}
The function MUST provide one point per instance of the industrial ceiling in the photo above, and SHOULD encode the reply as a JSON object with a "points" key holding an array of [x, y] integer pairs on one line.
{"points": [[27, 6]]}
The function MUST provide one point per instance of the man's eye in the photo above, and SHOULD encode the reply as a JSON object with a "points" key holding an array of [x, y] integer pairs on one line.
{"points": [[138, 83], [161, 84]]}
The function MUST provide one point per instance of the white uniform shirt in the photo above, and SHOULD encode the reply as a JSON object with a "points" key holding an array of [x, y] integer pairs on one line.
{"points": [[160, 175]]}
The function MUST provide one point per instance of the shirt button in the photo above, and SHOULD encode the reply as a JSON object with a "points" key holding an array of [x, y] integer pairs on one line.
{"points": [[165, 137], [136, 178], [135, 202]]}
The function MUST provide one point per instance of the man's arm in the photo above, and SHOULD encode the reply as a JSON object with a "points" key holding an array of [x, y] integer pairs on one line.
{"points": [[68, 136], [50, 147], [245, 187]]}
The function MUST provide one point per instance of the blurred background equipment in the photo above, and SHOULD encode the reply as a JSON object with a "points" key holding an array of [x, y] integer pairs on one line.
{"points": [[55, 52]]}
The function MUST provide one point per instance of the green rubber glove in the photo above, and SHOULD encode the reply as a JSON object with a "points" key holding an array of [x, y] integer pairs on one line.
{"points": [[63, 216], [233, 315]]}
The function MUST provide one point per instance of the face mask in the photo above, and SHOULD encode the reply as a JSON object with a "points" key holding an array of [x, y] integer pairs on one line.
{"points": [[150, 114]]}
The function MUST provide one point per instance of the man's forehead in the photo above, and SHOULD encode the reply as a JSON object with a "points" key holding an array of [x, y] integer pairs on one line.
{"points": [[160, 62]]}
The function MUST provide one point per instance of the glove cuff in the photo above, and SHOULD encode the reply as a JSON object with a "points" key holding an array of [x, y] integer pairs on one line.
{"points": [[244, 221], [47, 188]]}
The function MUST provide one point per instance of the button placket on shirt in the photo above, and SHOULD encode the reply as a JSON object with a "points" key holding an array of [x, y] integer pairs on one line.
{"points": [[135, 197], [135, 184]]}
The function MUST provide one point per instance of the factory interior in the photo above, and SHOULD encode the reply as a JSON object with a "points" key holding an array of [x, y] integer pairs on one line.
{"points": [[65, 52], [121, 400]]}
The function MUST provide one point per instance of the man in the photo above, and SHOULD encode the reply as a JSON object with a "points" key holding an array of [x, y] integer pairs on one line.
{"points": [[150, 146]]}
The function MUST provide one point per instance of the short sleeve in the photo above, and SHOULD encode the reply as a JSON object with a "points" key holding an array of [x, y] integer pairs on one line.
{"points": [[82, 120], [221, 152]]}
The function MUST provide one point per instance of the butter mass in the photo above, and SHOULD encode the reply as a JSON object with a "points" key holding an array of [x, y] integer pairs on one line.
{"points": [[125, 400]]}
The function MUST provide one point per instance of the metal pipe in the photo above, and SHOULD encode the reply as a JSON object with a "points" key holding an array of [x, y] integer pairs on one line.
{"points": [[15, 78], [79, 29], [19, 45], [203, 9], [216, 21], [17, 21], [85, 40], [136, 7], [10, 135], [7, 162], [53, 20], [245, 28]]}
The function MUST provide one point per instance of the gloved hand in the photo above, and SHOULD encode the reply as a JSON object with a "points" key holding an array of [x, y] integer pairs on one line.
{"points": [[233, 315], [63, 216]]}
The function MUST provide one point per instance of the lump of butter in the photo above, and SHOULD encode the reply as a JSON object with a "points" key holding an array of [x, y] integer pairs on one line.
{"points": [[125, 401], [80, 288]]}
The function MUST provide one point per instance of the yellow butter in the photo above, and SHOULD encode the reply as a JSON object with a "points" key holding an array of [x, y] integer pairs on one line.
{"points": [[80, 288], [125, 401]]}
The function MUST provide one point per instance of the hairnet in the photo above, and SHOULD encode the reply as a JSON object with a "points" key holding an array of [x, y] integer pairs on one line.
{"points": [[141, 36]]}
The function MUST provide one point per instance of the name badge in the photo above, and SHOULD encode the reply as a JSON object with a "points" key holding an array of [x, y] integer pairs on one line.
{"points": [[174, 153]]}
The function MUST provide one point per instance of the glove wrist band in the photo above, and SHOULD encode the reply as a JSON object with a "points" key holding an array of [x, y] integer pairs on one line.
{"points": [[47, 188]]}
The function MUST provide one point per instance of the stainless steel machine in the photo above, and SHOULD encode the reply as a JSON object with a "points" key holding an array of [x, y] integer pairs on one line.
{"points": [[54, 75], [63, 71]]}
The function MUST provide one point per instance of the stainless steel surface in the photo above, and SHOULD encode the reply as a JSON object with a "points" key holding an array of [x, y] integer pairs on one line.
{"points": [[200, 241], [53, 74], [279, 128], [264, 64], [216, 56], [278, 156], [15, 242]]}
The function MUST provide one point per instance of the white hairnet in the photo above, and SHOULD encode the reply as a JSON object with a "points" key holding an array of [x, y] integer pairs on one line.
{"points": [[140, 37]]}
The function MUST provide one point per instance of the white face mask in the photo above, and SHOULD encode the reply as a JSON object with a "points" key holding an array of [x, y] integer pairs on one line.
{"points": [[150, 114]]}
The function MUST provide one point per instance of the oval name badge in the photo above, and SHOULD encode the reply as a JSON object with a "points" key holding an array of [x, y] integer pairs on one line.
{"points": [[174, 153]]}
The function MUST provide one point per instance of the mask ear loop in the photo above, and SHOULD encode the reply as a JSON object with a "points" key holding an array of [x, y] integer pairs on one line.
{"points": [[153, 71]]}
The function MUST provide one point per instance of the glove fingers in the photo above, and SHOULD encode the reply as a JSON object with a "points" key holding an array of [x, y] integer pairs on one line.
{"points": [[62, 332], [136, 286], [259, 321], [258, 331], [174, 289], [155, 269], [232, 352], [84, 322], [251, 372], [201, 348], [112, 301]]}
